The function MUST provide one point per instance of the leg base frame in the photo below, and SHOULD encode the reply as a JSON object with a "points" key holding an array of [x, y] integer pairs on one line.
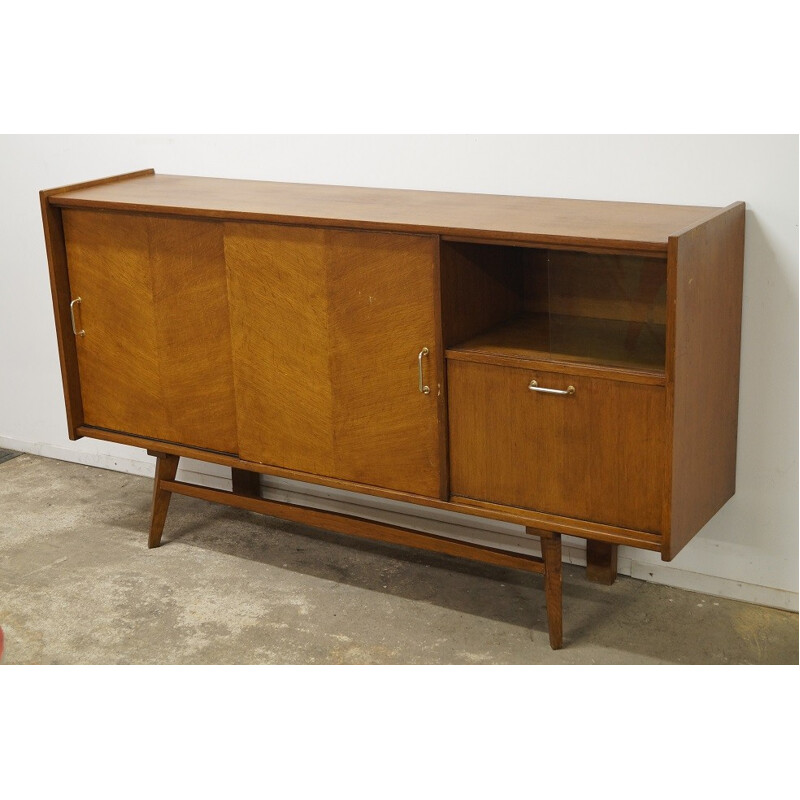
{"points": [[246, 496], [601, 562], [166, 467]]}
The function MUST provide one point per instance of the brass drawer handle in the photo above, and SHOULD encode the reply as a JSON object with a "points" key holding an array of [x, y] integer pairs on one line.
{"points": [[75, 330], [424, 389], [534, 387]]}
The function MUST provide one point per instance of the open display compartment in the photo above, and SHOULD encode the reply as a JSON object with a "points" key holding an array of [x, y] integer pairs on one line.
{"points": [[506, 303]]}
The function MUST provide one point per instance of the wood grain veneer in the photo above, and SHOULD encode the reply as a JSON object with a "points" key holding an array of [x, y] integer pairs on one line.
{"points": [[156, 357], [382, 309], [596, 455], [625, 226], [109, 268], [706, 265], [61, 294], [278, 299], [190, 296], [327, 328]]}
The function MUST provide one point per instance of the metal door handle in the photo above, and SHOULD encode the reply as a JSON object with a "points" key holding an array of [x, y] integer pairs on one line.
{"points": [[75, 330], [424, 389], [534, 387]]}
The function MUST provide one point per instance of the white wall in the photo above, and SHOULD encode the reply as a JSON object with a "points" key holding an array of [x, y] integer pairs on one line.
{"points": [[749, 550]]}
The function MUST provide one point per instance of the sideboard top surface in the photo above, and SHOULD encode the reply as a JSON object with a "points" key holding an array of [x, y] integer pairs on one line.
{"points": [[629, 226]]}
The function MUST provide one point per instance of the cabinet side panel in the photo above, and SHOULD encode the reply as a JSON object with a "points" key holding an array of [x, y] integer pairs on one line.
{"points": [[109, 269], [382, 311], [193, 328], [708, 264], [60, 289], [277, 285]]}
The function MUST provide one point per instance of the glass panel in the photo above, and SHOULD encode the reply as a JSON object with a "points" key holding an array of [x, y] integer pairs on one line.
{"points": [[607, 309]]}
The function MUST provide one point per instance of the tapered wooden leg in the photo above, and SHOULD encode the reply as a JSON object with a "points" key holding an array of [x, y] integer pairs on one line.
{"points": [[166, 467], [601, 562], [551, 552], [246, 482]]}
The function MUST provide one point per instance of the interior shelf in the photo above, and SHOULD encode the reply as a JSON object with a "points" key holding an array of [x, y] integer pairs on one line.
{"points": [[558, 309], [621, 344]]}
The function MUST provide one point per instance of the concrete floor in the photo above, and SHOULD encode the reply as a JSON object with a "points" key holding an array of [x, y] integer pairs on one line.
{"points": [[79, 586]]}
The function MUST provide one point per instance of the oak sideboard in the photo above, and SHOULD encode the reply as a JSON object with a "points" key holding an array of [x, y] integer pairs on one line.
{"points": [[569, 366]]}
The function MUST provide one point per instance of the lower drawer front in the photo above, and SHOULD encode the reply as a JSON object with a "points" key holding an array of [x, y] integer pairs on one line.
{"points": [[596, 454]]}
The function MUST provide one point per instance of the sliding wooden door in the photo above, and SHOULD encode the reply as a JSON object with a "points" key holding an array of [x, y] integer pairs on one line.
{"points": [[150, 309], [328, 327]]}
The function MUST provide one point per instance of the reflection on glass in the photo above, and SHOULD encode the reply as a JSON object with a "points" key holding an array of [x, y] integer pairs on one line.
{"points": [[607, 309]]}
